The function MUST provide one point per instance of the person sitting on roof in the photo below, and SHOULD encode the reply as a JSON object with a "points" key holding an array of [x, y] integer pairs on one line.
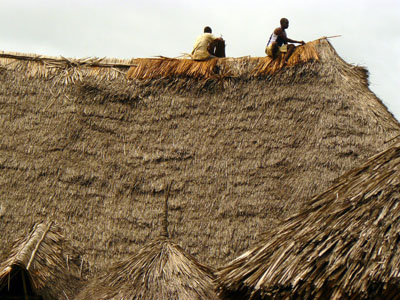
{"points": [[208, 46], [278, 42]]}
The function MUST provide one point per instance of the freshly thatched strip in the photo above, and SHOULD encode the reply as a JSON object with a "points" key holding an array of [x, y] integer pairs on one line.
{"points": [[161, 270], [153, 68], [41, 256], [345, 245]]}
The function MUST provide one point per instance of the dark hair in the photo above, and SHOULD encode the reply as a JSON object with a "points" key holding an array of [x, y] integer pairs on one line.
{"points": [[284, 20], [207, 29]]}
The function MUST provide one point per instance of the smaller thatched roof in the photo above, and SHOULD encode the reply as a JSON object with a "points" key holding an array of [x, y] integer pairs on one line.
{"points": [[37, 262], [345, 245], [160, 270]]}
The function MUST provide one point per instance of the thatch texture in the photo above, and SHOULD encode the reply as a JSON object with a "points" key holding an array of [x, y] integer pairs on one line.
{"points": [[344, 245], [161, 270], [244, 152], [41, 260]]}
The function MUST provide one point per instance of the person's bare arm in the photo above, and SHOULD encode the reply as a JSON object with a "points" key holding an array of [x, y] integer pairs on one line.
{"points": [[294, 41], [279, 32]]}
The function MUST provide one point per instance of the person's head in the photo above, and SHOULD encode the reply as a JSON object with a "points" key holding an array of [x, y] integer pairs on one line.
{"points": [[207, 29], [284, 23]]}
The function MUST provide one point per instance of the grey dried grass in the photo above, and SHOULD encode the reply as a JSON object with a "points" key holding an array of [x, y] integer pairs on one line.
{"points": [[344, 245]]}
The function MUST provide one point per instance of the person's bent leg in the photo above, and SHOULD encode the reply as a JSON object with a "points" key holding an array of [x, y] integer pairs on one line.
{"points": [[275, 50]]}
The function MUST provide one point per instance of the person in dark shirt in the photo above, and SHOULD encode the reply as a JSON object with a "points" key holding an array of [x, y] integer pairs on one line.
{"points": [[278, 42]]}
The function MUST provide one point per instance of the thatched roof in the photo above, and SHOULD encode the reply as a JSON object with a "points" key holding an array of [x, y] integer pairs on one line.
{"points": [[83, 145], [160, 270], [38, 266], [345, 245]]}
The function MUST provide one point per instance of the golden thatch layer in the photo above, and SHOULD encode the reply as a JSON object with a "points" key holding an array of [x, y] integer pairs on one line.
{"points": [[302, 54], [166, 67], [161, 270], [343, 246], [41, 259], [244, 153], [154, 68]]}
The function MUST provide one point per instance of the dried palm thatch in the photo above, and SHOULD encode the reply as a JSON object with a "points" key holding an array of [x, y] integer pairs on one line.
{"points": [[37, 267], [155, 68], [343, 246], [244, 152]]}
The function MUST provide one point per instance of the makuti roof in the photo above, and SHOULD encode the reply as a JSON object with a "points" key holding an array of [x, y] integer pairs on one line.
{"points": [[82, 145]]}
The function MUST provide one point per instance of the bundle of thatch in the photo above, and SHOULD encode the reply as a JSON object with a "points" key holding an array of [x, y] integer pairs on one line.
{"points": [[37, 267], [345, 245], [161, 270]]}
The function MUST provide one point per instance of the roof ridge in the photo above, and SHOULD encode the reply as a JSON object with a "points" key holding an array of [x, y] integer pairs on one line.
{"points": [[59, 61]]}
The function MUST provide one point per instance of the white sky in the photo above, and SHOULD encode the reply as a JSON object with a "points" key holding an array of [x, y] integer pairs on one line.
{"points": [[370, 29]]}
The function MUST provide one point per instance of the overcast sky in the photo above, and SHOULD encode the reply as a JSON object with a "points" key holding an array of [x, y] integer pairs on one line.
{"points": [[370, 30]]}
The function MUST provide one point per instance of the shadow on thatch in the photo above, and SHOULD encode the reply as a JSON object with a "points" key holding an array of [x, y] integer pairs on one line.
{"points": [[343, 246], [37, 267]]}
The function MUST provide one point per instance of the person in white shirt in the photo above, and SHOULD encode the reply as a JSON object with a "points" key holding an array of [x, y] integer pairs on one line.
{"points": [[278, 42], [207, 43]]}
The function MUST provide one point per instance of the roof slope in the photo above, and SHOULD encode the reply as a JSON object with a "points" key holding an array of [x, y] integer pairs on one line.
{"points": [[343, 246], [42, 256], [160, 270], [82, 145]]}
